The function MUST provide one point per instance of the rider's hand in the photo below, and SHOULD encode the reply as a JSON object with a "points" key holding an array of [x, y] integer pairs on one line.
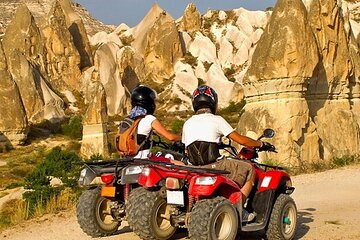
{"points": [[265, 146]]}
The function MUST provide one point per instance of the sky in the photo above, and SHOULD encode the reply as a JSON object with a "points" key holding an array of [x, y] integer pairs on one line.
{"points": [[131, 12]]}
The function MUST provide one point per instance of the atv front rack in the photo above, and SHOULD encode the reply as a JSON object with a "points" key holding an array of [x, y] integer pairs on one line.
{"points": [[180, 167]]}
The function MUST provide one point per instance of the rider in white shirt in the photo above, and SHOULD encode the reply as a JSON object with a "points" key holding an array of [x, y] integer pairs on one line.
{"points": [[202, 134]]}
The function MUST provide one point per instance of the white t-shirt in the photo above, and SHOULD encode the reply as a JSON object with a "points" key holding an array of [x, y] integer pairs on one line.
{"points": [[145, 128], [205, 127]]}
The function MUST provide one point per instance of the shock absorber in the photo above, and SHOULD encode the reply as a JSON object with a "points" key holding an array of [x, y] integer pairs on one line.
{"points": [[126, 192], [190, 205]]}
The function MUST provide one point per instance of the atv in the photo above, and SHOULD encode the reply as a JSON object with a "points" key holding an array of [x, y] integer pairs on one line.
{"points": [[101, 207], [209, 204]]}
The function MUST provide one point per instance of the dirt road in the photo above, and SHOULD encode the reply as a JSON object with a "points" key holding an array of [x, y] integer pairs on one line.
{"points": [[328, 208]]}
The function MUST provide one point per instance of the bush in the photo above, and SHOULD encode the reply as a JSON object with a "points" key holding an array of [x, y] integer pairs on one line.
{"points": [[177, 125], [190, 59], [345, 160], [74, 128], [57, 163]]}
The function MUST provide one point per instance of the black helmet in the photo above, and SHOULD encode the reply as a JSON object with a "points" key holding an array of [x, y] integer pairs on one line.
{"points": [[204, 96], [143, 96]]}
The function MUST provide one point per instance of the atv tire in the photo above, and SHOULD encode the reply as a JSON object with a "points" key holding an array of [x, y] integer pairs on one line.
{"points": [[282, 223], [144, 209], [93, 214], [213, 219]]}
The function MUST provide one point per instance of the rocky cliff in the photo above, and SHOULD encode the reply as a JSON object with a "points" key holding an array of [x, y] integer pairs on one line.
{"points": [[296, 65], [40, 8], [303, 82]]}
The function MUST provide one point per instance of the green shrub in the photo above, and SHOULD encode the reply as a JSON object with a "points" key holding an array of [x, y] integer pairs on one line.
{"points": [[96, 157], [73, 128], [57, 163], [345, 160], [39, 197], [177, 125]]}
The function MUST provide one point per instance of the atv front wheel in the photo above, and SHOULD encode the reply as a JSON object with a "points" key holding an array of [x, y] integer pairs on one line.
{"points": [[147, 215], [94, 214], [213, 219], [282, 224]]}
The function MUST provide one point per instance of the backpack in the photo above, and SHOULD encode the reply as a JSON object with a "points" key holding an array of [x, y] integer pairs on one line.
{"points": [[126, 139]]}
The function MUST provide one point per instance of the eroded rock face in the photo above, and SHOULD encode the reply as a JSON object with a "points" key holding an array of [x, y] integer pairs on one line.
{"points": [[40, 8], [78, 33], [25, 54], [302, 84], [63, 60], [95, 140], [13, 121], [163, 48], [119, 70], [336, 81], [191, 19]]}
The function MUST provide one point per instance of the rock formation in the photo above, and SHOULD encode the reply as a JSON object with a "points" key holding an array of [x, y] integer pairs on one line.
{"points": [[40, 9], [297, 65], [157, 40], [299, 83], [191, 20], [95, 139], [62, 59], [78, 33], [25, 57], [119, 70], [13, 121], [163, 48]]}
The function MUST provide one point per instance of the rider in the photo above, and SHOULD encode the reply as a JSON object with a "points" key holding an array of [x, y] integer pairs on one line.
{"points": [[201, 136], [143, 104]]}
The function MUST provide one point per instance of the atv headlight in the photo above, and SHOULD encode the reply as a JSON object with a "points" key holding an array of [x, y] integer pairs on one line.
{"points": [[205, 180], [133, 170], [83, 173], [86, 177]]}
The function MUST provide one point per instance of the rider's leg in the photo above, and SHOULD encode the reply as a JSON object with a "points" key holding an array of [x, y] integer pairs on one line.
{"points": [[247, 187]]}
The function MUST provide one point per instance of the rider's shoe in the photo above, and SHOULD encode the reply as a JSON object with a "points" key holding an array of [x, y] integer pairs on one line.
{"points": [[248, 217]]}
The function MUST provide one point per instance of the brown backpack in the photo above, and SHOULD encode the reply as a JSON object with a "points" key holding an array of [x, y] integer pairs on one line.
{"points": [[126, 138]]}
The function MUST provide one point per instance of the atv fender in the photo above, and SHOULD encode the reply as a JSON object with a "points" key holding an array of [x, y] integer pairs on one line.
{"points": [[223, 186], [273, 180]]}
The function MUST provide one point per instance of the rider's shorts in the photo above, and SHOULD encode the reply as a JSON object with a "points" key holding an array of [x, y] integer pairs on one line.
{"points": [[240, 170]]}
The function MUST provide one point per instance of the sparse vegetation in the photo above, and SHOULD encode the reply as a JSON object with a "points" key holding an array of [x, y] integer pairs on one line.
{"points": [[201, 81], [177, 125], [190, 59], [41, 197], [319, 166], [207, 66], [73, 128], [126, 40], [232, 112]]}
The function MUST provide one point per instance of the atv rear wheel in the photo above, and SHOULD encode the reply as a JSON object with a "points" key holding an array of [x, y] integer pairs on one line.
{"points": [[94, 214], [214, 219], [147, 211], [282, 224]]}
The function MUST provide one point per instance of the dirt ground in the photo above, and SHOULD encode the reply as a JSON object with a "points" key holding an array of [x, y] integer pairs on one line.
{"points": [[328, 208]]}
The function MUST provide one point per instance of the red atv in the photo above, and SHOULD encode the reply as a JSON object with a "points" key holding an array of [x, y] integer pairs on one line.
{"points": [[101, 207], [208, 204]]}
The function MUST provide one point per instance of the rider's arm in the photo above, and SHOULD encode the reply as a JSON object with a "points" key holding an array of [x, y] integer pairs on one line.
{"points": [[160, 129], [243, 140]]}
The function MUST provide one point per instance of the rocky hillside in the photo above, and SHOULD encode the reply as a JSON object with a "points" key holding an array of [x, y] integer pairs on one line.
{"points": [[297, 66], [40, 8]]}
